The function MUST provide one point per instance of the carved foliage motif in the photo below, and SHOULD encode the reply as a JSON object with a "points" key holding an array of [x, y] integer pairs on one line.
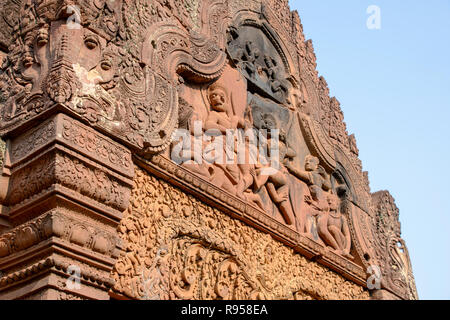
{"points": [[92, 182], [179, 248], [91, 275], [32, 140], [32, 179], [390, 248], [238, 5], [96, 145]]}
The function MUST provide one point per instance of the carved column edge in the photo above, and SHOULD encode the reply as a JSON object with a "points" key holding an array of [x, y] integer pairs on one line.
{"points": [[67, 187]]}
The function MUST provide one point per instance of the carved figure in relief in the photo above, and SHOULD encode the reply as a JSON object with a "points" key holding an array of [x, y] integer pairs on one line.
{"points": [[156, 278], [277, 83], [296, 99], [234, 177], [221, 116], [221, 261], [188, 152], [276, 183], [333, 227], [316, 179], [248, 166], [250, 56]]}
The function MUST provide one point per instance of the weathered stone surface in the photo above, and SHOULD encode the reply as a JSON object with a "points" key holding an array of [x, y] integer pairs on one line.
{"points": [[189, 250], [2, 152], [117, 116]]}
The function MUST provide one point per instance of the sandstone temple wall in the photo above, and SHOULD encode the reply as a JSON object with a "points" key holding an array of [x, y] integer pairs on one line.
{"points": [[210, 255], [123, 125]]}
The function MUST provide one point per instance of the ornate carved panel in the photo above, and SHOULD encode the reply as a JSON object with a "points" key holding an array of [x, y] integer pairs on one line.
{"points": [[251, 177], [389, 248], [116, 74], [177, 247], [65, 188]]}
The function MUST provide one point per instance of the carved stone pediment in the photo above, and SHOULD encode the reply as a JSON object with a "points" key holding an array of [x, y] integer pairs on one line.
{"points": [[247, 183]]}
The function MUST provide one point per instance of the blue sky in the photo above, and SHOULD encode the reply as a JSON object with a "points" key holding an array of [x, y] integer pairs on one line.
{"points": [[393, 85]]}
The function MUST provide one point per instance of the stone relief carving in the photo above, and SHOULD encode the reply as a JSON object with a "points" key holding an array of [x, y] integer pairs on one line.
{"points": [[333, 228], [303, 199], [116, 73], [56, 224], [65, 187], [277, 184], [188, 250], [260, 61], [137, 70], [390, 249], [318, 183]]}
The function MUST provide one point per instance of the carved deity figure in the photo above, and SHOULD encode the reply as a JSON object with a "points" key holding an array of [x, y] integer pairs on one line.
{"points": [[248, 165], [236, 177], [314, 174], [155, 280], [185, 149], [221, 118], [333, 228], [250, 56], [316, 178], [276, 183], [277, 83], [296, 99]]}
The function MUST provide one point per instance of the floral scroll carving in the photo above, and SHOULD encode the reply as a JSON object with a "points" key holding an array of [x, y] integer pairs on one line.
{"points": [[179, 248], [56, 224], [390, 250]]}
